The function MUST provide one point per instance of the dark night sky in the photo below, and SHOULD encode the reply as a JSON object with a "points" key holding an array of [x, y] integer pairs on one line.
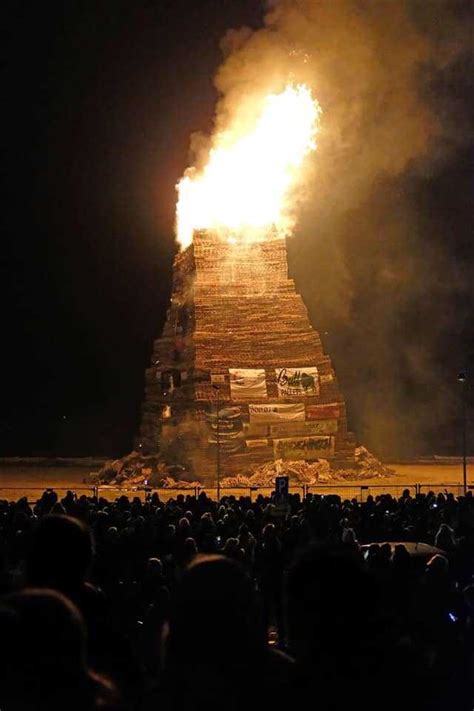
{"points": [[100, 99]]}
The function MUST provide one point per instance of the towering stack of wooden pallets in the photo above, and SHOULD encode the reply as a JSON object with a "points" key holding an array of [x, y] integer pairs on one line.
{"points": [[239, 355]]}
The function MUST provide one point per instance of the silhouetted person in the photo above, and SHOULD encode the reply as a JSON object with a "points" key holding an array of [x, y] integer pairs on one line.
{"points": [[270, 578], [247, 543], [402, 581], [233, 550], [215, 639], [43, 657], [190, 551], [59, 558], [349, 539], [291, 539], [344, 654], [155, 601], [154, 586], [60, 555], [445, 538]]}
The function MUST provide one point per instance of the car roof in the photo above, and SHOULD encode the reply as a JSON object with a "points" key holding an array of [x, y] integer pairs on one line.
{"points": [[414, 548]]}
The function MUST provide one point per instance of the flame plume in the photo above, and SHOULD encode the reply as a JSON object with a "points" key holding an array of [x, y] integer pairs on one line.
{"points": [[248, 183]]}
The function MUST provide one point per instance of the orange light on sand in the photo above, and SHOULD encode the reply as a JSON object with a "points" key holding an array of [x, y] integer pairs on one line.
{"points": [[247, 186]]}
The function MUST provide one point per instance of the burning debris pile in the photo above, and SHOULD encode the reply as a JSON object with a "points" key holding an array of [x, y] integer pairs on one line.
{"points": [[139, 470], [239, 371], [318, 472], [238, 367]]}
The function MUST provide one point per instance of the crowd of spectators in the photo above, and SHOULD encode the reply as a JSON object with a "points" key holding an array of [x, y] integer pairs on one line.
{"points": [[195, 604]]}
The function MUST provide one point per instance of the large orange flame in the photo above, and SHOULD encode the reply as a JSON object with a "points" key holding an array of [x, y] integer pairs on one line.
{"points": [[248, 183]]}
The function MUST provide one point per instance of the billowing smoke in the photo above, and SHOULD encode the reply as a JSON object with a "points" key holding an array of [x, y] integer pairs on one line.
{"points": [[368, 254]]}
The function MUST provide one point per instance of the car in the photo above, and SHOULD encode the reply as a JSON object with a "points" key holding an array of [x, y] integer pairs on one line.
{"points": [[422, 552]]}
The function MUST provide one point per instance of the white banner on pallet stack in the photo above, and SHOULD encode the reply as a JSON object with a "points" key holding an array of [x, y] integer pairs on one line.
{"points": [[247, 383], [297, 382], [307, 448], [318, 427], [217, 379], [261, 414]]}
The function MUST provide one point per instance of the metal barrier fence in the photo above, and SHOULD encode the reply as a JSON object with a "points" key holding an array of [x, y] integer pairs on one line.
{"points": [[23, 490], [345, 491], [440, 488]]}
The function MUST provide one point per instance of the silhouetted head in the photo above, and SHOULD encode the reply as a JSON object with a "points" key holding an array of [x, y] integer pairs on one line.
{"points": [[468, 595], [269, 532], [373, 554], [401, 558], [48, 632], [214, 616], [183, 525], [154, 568], [43, 654], [437, 569], [243, 530], [445, 538], [60, 554], [349, 537], [190, 548], [170, 532], [232, 549], [329, 598]]}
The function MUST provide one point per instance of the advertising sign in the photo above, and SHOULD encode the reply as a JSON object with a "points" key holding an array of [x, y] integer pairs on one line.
{"points": [[262, 414], [229, 424], [295, 382], [256, 443], [252, 430], [328, 378], [287, 429], [247, 383], [309, 448], [217, 379], [323, 412], [281, 487]]}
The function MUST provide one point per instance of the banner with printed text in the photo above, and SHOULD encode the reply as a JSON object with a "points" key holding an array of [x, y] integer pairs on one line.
{"points": [[308, 448], [297, 382], [316, 427], [247, 383], [217, 379], [262, 414], [331, 410], [256, 443], [227, 425], [326, 378]]}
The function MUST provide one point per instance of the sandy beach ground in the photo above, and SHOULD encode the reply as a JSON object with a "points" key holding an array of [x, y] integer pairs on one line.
{"points": [[32, 480]]}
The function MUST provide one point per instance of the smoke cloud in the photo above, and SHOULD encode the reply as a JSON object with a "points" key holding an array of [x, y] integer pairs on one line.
{"points": [[368, 254]]}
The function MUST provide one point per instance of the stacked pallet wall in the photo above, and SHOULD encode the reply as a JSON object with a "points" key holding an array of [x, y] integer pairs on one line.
{"points": [[232, 306]]}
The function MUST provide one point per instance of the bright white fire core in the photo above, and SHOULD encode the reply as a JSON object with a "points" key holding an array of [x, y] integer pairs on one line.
{"points": [[248, 184]]}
